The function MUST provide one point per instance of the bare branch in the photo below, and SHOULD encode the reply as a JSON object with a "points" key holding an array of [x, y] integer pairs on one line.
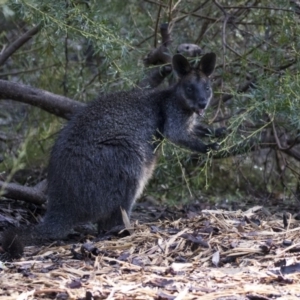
{"points": [[254, 144], [160, 55], [156, 77], [18, 44], [14, 73], [260, 7], [142, 42], [242, 89], [156, 26], [28, 194], [55, 104], [156, 57], [278, 142], [165, 35], [184, 12], [293, 153]]}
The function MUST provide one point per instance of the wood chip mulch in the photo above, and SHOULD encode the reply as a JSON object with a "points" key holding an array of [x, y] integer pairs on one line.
{"points": [[215, 254]]}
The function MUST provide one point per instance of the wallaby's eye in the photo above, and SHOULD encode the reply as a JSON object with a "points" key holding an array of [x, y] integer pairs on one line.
{"points": [[189, 89], [207, 88]]}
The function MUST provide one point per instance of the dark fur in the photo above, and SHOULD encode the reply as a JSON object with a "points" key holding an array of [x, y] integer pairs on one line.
{"points": [[105, 155]]}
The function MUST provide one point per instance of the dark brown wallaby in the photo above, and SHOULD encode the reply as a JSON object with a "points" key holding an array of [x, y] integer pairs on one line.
{"points": [[106, 153]]}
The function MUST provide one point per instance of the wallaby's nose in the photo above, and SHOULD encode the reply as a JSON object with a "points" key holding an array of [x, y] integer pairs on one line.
{"points": [[202, 103], [201, 107]]}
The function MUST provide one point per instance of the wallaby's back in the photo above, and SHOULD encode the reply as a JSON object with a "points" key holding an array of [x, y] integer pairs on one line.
{"points": [[105, 155]]}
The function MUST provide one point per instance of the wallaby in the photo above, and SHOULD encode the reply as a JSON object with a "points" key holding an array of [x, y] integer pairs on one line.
{"points": [[105, 155]]}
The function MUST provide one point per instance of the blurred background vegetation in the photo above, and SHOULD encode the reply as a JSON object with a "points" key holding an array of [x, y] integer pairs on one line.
{"points": [[85, 48]]}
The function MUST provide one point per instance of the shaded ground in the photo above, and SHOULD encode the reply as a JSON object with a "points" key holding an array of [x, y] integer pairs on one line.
{"points": [[171, 253]]}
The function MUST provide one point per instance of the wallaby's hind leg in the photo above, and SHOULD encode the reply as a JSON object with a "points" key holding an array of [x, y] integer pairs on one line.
{"points": [[53, 227], [126, 195], [115, 219]]}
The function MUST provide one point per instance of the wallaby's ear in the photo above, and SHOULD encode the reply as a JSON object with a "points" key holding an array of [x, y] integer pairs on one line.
{"points": [[180, 65], [207, 63]]}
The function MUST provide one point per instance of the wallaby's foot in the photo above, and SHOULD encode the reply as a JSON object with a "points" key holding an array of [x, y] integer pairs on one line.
{"points": [[213, 146], [117, 230], [108, 225], [220, 132]]}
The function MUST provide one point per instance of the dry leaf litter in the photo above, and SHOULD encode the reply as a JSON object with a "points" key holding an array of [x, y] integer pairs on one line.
{"points": [[215, 254]]}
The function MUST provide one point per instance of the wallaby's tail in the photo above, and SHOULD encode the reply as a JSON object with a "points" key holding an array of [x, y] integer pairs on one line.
{"points": [[15, 239], [12, 243]]}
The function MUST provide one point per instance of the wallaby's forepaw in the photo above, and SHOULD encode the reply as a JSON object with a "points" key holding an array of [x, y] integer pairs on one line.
{"points": [[220, 132], [213, 146]]}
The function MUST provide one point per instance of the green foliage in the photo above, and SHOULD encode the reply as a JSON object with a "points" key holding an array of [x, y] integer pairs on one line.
{"points": [[89, 47]]}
